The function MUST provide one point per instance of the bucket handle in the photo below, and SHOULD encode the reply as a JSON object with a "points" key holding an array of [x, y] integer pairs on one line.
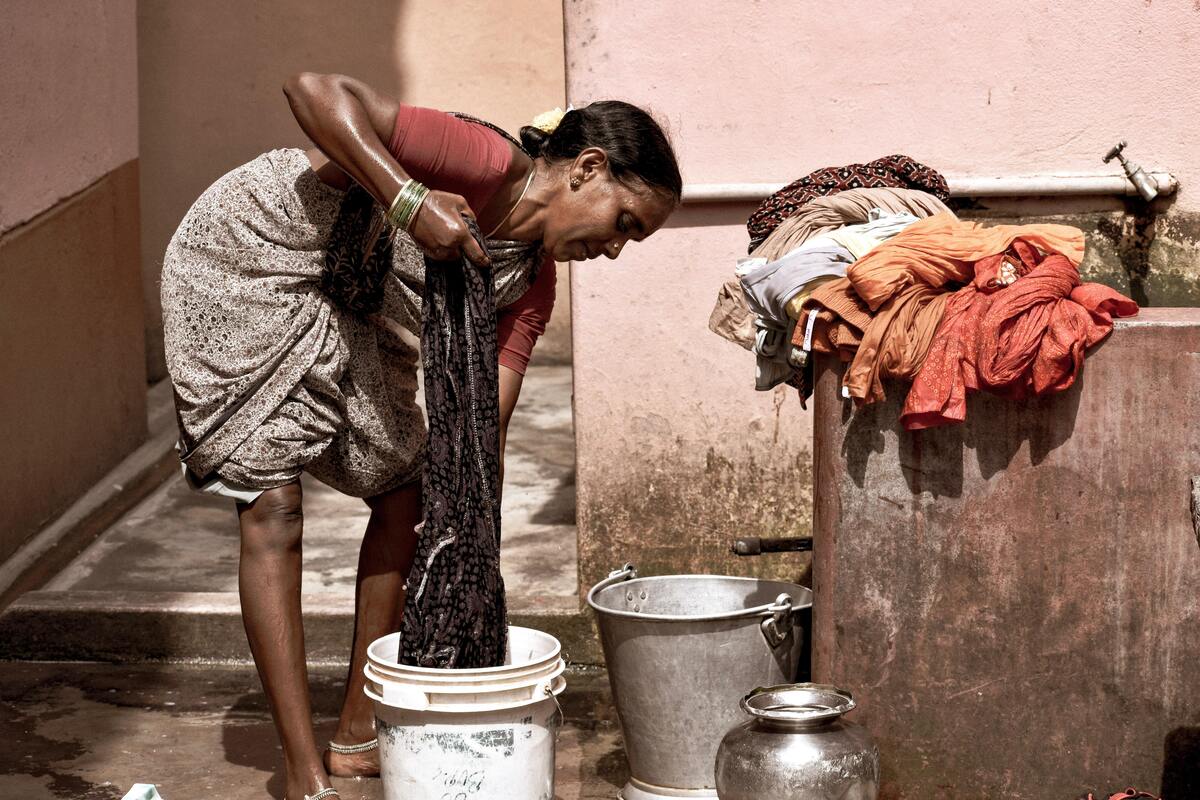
{"points": [[625, 573], [776, 627]]}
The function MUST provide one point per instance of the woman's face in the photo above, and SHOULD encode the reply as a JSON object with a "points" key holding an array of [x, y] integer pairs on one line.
{"points": [[595, 215]]}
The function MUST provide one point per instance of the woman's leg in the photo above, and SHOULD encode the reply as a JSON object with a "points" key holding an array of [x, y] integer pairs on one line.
{"points": [[269, 585], [384, 561]]}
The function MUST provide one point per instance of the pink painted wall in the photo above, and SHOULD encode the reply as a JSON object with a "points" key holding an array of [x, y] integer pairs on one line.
{"points": [[68, 99], [767, 91]]}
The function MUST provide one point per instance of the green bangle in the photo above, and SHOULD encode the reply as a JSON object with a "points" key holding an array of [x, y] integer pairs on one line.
{"points": [[407, 202], [418, 201]]}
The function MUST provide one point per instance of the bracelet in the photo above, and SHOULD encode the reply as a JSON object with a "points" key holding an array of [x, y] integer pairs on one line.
{"points": [[408, 201]]}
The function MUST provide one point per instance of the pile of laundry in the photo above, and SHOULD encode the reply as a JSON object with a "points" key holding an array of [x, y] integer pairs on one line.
{"points": [[867, 263]]}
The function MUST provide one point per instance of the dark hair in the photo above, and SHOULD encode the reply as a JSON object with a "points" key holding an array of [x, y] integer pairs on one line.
{"points": [[635, 144]]}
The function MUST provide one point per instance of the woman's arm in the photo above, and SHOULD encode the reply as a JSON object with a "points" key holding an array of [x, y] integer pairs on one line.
{"points": [[351, 122], [510, 391], [518, 328]]}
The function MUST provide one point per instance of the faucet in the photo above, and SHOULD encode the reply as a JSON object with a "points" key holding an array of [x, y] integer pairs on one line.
{"points": [[1146, 186]]}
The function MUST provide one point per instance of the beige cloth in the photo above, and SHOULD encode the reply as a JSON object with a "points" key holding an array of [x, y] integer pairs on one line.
{"points": [[850, 207], [324, 390], [732, 319]]}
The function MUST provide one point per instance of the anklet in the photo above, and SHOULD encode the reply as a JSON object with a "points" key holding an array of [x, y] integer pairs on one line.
{"points": [[321, 795], [351, 749]]}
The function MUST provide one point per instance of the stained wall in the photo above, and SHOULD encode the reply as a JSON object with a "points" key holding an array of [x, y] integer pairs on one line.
{"points": [[71, 352]]}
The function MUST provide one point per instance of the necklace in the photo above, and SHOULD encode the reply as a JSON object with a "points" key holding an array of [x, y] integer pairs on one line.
{"points": [[500, 224]]}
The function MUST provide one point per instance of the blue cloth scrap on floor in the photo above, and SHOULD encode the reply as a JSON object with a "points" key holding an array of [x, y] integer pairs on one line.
{"points": [[142, 791]]}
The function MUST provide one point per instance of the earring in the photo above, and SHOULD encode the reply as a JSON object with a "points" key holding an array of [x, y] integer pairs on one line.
{"points": [[575, 183]]}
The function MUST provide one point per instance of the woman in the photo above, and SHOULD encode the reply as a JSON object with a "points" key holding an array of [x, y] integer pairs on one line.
{"points": [[274, 377]]}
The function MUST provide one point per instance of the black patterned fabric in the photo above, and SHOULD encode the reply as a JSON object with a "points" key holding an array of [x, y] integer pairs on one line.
{"points": [[455, 615], [358, 256], [895, 171], [354, 276]]}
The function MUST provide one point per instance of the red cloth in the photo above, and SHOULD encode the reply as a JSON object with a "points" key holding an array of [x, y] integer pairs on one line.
{"points": [[453, 155], [1017, 341], [519, 325]]}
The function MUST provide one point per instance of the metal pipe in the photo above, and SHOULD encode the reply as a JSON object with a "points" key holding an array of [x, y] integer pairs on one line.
{"points": [[757, 545], [1031, 186]]}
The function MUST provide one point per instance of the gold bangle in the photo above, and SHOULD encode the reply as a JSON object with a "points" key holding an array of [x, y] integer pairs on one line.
{"points": [[418, 200], [398, 202], [391, 212], [406, 203]]}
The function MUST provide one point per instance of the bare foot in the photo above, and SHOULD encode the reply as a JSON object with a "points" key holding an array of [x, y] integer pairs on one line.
{"points": [[300, 788], [353, 765]]}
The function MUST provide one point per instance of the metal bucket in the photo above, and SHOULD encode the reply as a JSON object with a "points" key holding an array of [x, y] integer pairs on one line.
{"points": [[682, 651]]}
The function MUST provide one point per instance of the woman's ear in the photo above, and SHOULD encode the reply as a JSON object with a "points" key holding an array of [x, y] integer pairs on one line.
{"points": [[590, 162]]}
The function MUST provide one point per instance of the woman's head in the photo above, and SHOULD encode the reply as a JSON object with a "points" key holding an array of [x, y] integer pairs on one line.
{"points": [[617, 179]]}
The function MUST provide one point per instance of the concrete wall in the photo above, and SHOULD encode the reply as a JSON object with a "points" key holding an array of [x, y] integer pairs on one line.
{"points": [[70, 108], [211, 73], [71, 352], [676, 452], [1048, 548]]}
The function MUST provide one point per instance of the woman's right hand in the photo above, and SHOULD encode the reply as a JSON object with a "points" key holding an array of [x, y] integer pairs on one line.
{"points": [[440, 230]]}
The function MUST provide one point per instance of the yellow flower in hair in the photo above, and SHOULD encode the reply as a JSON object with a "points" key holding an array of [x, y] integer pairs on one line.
{"points": [[547, 121]]}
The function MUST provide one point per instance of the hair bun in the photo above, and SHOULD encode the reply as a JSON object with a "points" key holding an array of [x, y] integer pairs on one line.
{"points": [[533, 140]]}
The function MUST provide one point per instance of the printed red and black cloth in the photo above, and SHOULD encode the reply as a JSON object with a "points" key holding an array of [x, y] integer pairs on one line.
{"points": [[1127, 794], [895, 171]]}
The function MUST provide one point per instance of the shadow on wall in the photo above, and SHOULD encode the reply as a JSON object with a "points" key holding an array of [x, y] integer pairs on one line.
{"points": [[932, 460], [1181, 763], [210, 77]]}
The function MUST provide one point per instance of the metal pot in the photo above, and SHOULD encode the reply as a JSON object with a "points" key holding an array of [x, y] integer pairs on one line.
{"points": [[796, 746], [680, 651]]}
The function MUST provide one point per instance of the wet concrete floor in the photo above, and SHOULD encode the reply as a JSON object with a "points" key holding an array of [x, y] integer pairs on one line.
{"points": [[90, 731]]}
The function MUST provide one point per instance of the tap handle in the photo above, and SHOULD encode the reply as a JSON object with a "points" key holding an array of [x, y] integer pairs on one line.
{"points": [[1115, 152]]}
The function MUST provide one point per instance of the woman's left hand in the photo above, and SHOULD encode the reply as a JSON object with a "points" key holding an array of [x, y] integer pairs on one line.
{"points": [[440, 230]]}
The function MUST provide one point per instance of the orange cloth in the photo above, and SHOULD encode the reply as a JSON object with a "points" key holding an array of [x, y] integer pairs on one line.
{"points": [[839, 314], [829, 334], [1024, 339], [943, 248], [901, 282], [839, 297]]}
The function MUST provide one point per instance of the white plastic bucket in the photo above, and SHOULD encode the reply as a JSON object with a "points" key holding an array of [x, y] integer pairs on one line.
{"points": [[466, 734], [417, 695], [530, 653]]}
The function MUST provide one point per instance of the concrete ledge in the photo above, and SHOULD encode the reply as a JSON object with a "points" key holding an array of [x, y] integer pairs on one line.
{"points": [[127, 627]]}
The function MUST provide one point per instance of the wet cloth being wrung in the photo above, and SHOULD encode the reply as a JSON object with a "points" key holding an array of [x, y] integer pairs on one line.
{"points": [[455, 615]]}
